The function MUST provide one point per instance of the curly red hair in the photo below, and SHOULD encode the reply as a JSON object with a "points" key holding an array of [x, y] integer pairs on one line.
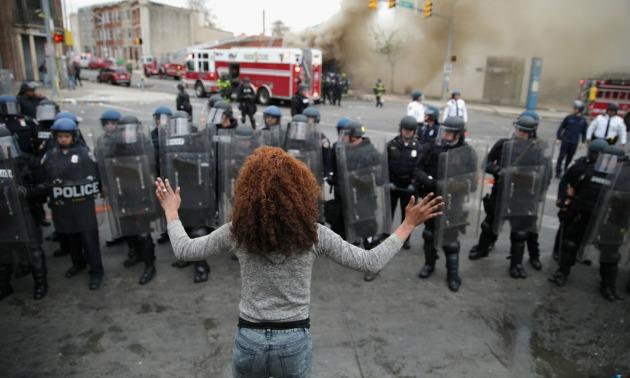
{"points": [[275, 205]]}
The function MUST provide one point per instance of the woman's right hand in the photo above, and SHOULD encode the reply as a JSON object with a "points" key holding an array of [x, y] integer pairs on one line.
{"points": [[169, 198], [420, 212]]}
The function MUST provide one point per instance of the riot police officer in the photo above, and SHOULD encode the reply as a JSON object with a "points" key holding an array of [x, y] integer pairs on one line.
{"points": [[46, 113], [431, 126], [584, 182], [272, 133], [517, 196], [361, 182], [72, 176], [246, 97], [125, 155], [300, 100], [403, 153], [182, 101], [313, 116], [28, 99], [21, 185], [161, 118], [188, 162], [22, 128], [448, 167]]}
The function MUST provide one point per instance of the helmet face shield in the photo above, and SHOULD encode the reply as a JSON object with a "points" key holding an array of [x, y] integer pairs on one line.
{"points": [[216, 116], [128, 133], [447, 136], [8, 147], [46, 112], [298, 131], [161, 120], [607, 163], [10, 109], [179, 126]]}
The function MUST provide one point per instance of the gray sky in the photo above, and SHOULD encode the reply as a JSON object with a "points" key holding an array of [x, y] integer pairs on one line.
{"points": [[245, 16]]}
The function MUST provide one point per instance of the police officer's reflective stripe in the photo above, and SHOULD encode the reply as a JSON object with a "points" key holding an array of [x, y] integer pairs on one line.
{"points": [[6, 173], [76, 191]]}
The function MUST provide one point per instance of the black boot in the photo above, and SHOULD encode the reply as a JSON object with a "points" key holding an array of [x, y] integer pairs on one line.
{"points": [[534, 261], [517, 249], [369, 277], [482, 249], [608, 271], [534, 250], [40, 289], [133, 255], [5, 281], [559, 278], [180, 264], [95, 281], [202, 270], [452, 272], [148, 274], [430, 255], [74, 270]]}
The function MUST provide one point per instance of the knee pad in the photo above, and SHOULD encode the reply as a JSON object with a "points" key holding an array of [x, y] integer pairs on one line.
{"points": [[486, 226], [427, 235], [451, 248], [518, 236], [199, 231]]}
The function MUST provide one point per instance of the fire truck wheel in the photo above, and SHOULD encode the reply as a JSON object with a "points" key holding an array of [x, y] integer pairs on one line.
{"points": [[263, 96], [199, 90]]}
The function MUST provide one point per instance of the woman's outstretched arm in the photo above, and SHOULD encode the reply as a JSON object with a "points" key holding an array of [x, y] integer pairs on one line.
{"points": [[348, 255]]}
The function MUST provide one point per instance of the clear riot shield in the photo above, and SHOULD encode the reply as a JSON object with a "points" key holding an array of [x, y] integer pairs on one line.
{"points": [[459, 183], [363, 181], [272, 137], [127, 166], [188, 161], [608, 227], [232, 152], [524, 178], [14, 232]]}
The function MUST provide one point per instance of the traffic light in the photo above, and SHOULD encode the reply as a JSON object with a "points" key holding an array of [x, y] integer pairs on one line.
{"points": [[427, 8], [137, 41], [373, 4], [58, 37], [391, 3]]}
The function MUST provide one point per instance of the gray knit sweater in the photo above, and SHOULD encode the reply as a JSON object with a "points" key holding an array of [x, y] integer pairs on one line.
{"points": [[277, 288]]}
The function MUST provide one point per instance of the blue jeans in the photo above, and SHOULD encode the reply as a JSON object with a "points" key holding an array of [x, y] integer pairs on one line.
{"points": [[272, 353]]}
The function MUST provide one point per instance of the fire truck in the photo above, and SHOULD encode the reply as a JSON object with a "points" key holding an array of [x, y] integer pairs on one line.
{"points": [[150, 65], [275, 72], [597, 93]]}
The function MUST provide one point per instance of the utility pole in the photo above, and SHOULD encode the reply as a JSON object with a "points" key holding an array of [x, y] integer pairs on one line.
{"points": [[51, 64], [264, 22]]}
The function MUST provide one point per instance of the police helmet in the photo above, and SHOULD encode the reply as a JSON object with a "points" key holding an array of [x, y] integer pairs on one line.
{"points": [[526, 123], [432, 111], [27, 86], [129, 127], [68, 115], [162, 110], [110, 115], [272, 111], [614, 150], [354, 129], [180, 86], [342, 123], [579, 105], [46, 110], [311, 112], [9, 106], [454, 123], [243, 131], [66, 125], [612, 106], [597, 146], [456, 92], [222, 108], [415, 95], [531, 113], [409, 123], [214, 99], [128, 119]]}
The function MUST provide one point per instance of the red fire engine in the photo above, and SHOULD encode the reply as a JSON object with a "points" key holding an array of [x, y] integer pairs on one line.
{"points": [[150, 66], [275, 72], [597, 93]]}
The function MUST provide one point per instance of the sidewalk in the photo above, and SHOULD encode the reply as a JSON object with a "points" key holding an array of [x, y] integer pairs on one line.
{"points": [[504, 110], [105, 93]]}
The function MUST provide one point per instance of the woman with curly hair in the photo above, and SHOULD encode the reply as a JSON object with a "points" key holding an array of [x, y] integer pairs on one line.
{"points": [[275, 234]]}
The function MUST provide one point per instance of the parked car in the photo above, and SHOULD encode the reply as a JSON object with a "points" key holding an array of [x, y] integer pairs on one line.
{"points": [[114, 75], [98, 63], [174, 70]]}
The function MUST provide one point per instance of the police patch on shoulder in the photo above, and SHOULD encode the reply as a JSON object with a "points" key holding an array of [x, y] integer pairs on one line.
{"points": [[74, 159]]}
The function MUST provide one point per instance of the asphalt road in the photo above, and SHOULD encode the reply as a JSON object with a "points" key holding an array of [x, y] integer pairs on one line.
{"points": [[395, 326]]}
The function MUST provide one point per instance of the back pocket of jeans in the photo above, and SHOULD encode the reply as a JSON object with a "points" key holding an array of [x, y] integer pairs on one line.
{"points": [[242, 358], [296, 359]]}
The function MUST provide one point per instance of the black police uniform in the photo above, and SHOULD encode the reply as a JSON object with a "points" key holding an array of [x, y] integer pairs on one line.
{"points": [[246, 96], [182, 102], [487, 238], [72, 175], [402, 158], [572, 128], [298, 103]]}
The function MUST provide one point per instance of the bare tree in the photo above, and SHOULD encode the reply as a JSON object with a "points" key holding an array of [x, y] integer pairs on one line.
{"points": [[391, 45], [279, 29], [201, 6]]}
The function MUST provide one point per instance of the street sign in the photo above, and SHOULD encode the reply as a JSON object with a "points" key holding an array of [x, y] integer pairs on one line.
{"points": [[406, 4]]}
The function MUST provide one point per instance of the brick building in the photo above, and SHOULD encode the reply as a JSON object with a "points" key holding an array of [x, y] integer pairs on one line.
{"points": [[23, 36]]}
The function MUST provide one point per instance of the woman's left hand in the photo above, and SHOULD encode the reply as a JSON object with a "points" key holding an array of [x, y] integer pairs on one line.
{"points": [[169, 198]]}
